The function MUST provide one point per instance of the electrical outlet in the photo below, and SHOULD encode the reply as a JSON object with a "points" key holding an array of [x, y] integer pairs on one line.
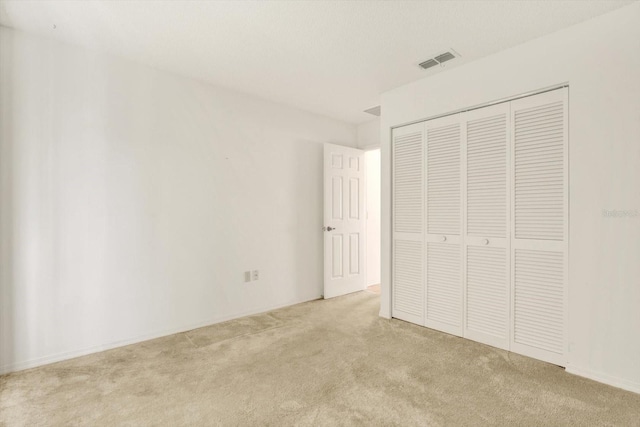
{"points": [[256, 275], [247, 276]]}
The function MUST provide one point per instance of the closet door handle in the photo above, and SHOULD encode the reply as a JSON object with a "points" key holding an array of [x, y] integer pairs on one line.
{"points": [[444, 238], [485, 242]]}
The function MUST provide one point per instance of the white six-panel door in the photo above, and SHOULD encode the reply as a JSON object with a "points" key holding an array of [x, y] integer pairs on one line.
{"points": [[480, 224], [344, 220]]}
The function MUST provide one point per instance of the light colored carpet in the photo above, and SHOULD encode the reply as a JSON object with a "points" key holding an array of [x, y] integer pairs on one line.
{"points": [[329, 362], [374, 288]]}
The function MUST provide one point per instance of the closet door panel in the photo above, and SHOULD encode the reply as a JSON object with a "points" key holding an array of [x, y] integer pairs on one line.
{"points": [[443, 176], [408, 214], [538, 299], [486, 225], [487, 295], [408, 282], [540, 226], [444, 305], [444, 296]]}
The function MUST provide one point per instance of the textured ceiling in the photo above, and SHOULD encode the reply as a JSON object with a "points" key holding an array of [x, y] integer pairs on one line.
{"points": [[328, 57]]}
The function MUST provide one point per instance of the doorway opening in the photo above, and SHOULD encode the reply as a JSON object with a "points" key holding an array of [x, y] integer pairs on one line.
{"points": [[372, 186], [351, 215]]}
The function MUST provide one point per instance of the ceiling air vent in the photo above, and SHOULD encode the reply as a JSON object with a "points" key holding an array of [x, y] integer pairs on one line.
{"points": [[373, 110], [428, 63], [447, 56], [438, 59]]}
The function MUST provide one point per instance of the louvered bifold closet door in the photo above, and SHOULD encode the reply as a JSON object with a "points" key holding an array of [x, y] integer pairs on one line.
{"points": [[444, 225], [408, 212], [486, 225], [540, 226]]}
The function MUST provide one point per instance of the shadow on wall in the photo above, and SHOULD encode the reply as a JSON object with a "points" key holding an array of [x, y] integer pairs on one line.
{"points": [[308, 190], [7, 228]]}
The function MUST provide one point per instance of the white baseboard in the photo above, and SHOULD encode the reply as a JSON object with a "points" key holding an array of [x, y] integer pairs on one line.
{"points": [[45, 360], [605, 379]]}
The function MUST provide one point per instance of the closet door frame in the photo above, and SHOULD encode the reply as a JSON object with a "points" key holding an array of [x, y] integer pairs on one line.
{"points": [[512, 244]]}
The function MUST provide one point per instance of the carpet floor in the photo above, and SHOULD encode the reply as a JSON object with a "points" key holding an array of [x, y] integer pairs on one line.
{"points": [[331, 362]]}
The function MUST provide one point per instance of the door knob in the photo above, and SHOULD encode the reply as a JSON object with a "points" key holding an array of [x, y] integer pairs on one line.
{"points": [[485, 242], [444, 238], [328, 228]]}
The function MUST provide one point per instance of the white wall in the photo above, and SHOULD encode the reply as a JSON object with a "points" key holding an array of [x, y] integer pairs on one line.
{"points": [[372, 165], [600, 59], [133, 200], [369, 134], [369, 139]]}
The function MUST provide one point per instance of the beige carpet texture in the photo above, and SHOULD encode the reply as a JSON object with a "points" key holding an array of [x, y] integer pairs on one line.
{"points": [[321, 363]]}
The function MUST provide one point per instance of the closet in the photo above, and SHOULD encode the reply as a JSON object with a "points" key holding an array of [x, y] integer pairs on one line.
{"points": [[480, 224]]}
